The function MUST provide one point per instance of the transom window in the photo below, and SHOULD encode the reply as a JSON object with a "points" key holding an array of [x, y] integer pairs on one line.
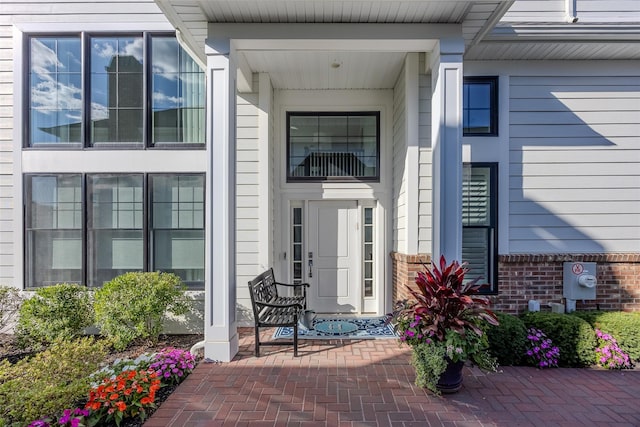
{"points": [[133, 223], [322, 146], [134, 90], [479, 223], [480, 106]]}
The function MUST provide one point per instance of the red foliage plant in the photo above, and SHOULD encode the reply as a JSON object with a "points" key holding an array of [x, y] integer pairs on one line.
{"points": [[444, 302]]}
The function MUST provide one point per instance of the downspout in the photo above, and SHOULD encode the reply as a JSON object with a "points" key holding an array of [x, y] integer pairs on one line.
{"points": [[570, 16]]}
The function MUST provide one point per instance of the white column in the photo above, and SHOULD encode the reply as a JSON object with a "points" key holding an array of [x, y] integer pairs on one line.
{"points": [[446, 103], [220, 331], [412, 160]]}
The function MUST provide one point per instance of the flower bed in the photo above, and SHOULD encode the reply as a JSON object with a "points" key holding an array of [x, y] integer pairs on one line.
{"points": [[124, 392]]}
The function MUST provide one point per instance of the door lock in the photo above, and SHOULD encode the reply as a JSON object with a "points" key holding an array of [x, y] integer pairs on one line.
{"points": [[310, 266]]}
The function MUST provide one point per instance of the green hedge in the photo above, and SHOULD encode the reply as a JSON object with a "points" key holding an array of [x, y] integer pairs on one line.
{"points": [[574, 336], [507, 341], [59, 312], [134, 305], [623, 326]]}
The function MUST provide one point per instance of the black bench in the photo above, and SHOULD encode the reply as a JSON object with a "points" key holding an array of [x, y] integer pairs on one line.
{"points": [[272, 310]]}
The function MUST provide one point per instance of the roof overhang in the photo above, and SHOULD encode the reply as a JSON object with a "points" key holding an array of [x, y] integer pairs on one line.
{"points": [[198, 20]]}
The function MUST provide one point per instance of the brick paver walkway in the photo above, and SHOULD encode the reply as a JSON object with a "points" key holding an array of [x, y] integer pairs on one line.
{"points": [[370, 383]]}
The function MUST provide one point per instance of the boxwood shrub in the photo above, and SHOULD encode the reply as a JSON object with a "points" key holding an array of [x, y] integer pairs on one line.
{"points": [[134, 305], [623, 326], [507, 341], [574, 336], [59, 312]]}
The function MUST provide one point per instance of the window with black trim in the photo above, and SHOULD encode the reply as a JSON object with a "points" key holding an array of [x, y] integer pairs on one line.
{"points": [[480, 106], [133, 223], [480, 223], [131, 90], [330, 145]]}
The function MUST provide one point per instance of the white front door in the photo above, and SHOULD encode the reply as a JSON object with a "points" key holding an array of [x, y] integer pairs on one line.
{"points": [[333, 266]]}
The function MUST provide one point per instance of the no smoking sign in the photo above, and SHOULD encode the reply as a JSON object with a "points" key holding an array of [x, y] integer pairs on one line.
{"points": [[577, 268]]}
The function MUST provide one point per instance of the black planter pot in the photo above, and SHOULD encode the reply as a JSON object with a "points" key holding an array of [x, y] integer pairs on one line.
{"points": [[451, 379]]}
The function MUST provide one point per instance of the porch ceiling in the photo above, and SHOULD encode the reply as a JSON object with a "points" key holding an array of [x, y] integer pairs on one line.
{"points": [[191, 19]]}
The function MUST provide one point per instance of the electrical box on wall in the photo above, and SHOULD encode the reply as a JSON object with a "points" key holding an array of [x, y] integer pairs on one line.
{"points": [[579, 280]]}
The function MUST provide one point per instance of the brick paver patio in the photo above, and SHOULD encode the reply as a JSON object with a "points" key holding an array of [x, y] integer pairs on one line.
{"points": [[370, 383]]}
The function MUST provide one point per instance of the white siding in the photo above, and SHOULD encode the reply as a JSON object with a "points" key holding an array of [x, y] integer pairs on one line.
{"points": [[425, 207], [535, 11], [399, 172], [248, 244], [62, 14], [587, 11], [6, 160], [574, 183]]}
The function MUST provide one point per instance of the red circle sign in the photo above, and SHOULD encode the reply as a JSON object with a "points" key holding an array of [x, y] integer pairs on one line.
{"points": [[577, 268]]}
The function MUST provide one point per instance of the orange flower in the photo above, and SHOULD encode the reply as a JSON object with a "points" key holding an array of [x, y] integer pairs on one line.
{"points": [[114, 396], [131, 375], [120, 385], [121, 406], [146, 400], [127, 392], [110, 389], [139, 389]]}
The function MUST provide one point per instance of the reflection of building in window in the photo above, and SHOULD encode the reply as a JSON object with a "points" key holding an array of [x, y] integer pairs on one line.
{"points": [[175, 91]]}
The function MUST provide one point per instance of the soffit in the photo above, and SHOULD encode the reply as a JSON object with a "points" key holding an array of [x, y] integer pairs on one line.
{"points": [[299, 69]]}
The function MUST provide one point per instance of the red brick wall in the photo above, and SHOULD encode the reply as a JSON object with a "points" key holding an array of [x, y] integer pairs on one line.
{"points": [[523, 277], [404, 269]]}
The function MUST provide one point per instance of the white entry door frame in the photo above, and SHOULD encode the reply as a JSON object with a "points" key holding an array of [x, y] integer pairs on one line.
{"points": [[334, 257]]}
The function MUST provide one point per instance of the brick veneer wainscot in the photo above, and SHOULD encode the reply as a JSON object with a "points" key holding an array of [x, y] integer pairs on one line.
{"points": [[522, 277]]}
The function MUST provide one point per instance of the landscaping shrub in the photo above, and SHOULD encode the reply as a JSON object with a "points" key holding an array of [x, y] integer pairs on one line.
{"points": [[49, 382], [9, 304], [134, 305], [623, 326], [574, 337], [507, 340], [59, 312]]}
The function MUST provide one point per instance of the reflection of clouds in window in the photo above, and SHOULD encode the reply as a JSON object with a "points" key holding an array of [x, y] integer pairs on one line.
{"points": [[49, 94], [99, 111], [43, 58], [162, 100], [130, 47]]}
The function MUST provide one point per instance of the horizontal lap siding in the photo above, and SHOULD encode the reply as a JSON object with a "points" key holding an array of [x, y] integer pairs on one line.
{"points": [[20, 12], [425, 185], [399, 172], [587, 11], [248, 196], [535, 11], [574, 184], [6, 154]]}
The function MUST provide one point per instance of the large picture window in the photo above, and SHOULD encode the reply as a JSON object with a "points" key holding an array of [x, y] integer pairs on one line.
{"points": [[133, 90], [479, 223], [134, 223], [480, 106], [322, 146]]}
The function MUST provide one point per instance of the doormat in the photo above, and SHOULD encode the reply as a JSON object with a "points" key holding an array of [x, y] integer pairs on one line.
{"points": [[341, 328]]}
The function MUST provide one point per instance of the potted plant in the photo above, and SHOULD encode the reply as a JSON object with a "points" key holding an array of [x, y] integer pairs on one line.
{"points": [[443, 325]]}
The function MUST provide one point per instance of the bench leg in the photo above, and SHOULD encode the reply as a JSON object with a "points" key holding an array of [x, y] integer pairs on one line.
{"points": [[257, 341], [295, 340]]}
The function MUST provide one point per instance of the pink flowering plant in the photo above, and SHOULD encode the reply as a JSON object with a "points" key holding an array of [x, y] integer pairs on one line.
{"points": [[171, 365], [609, 354], [540, 351]]}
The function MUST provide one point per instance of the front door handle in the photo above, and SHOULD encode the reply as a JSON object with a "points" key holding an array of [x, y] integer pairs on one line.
{"points": [[310, 267]]}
